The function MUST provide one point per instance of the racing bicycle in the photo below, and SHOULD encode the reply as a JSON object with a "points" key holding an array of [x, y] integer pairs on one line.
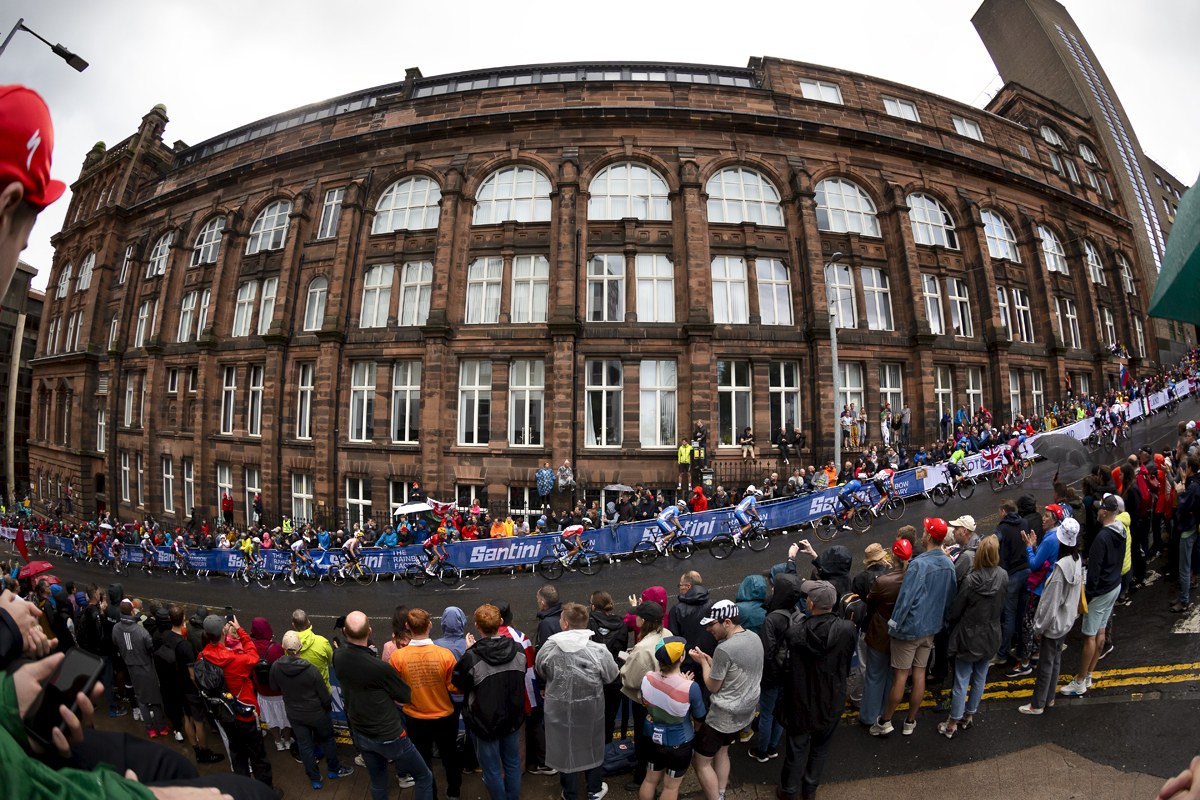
{"points": [[184, 569], [646, 551], [858, 515], [1099, 439], [891, 505], [417, 576], [255, 573], [586, 560], [723, 544], [962, 485], [1007, 475], [357, 570], [306, 571]]}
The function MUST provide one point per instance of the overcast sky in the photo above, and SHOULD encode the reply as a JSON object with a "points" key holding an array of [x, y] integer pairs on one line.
{"points": [[217, 64]]}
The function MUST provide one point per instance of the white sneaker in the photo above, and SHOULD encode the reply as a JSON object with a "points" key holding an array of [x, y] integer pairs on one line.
{"points": [[281, 745], [359, 760], [600, 794], [178, 736], [1074, 689], [137, 714], [407, 782], [1088, 681]]}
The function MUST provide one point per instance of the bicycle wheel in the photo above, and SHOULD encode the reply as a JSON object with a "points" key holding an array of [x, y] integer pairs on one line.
{"points": [[1106, 443], [147, 570], [965, 489], [894, 508], [187, 572], [940, 494], [682, 547], [416, 575], [309, 575], [995, 482], [826, 528], [757, 540], [448, 575], [336, 576], [721, 546], [590, 563], [862, 520], [645, 553], [262, 578], [364, 576], [1026, 467], [550, 567]]}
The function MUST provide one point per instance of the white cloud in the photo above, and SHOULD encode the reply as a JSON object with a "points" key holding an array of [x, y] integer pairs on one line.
{"points": [[220, 64]]}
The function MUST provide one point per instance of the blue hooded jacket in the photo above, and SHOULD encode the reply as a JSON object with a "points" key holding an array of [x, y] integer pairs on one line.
{"points": [[453, 638], [750, 598], [388, 539]]}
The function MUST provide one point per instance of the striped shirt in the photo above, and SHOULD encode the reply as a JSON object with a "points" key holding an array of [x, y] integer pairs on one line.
{"points": [[669, 701]]}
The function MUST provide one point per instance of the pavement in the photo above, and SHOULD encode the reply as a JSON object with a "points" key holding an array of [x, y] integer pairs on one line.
{"points": [[1137, 723]]}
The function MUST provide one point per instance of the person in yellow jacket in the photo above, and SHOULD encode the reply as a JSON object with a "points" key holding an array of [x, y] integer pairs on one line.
{"points": [[314, 648], [685, 464]]}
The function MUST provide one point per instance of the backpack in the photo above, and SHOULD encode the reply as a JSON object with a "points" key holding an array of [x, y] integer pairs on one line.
{"points": [[619, 757], [852, 608], [615, 639], [223, 707], [783, 653]]}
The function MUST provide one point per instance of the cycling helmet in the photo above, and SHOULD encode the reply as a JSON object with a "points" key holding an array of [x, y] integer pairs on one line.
{"points": [[145, 535], [257, 540], [682, 505], [587, 523]]}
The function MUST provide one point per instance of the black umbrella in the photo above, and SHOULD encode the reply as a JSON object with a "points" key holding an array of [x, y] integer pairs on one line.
{"points": [[1062, 449]]}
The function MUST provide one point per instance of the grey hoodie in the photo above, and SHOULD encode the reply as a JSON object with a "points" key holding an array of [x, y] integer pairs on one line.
{"points": [[305, 695], [1059, 606], [134, 642], [975, 616]]}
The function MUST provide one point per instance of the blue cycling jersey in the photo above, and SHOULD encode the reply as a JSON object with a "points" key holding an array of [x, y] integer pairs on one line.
{"points": [[748, 503], [668, 513], [852, 486]]}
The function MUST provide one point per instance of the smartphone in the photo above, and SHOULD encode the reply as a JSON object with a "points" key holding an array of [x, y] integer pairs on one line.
{"points": [[229, 613], [77, 673]]}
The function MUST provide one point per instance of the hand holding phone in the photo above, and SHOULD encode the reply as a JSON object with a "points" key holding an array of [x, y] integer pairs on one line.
{"points": [[54, 698], [229, 613]]}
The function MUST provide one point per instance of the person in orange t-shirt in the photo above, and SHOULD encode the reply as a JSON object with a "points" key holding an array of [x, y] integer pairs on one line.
{"points": [[430, 716]]}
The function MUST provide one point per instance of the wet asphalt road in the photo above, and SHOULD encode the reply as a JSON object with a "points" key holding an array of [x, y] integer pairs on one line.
{"points": [[1143, 717]]}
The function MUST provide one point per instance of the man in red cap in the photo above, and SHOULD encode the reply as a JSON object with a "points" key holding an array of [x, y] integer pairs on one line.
{"points": [[26, 139], [925, 598]]}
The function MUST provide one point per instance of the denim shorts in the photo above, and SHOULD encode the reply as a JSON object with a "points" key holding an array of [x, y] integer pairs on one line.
{"points": [[1099, 610]]}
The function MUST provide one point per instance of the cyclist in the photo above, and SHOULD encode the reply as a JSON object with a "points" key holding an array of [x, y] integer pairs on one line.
{"points": [[569, 539], [118, 551], [78, 547], [180, 551], [249, 548], [435, 550], [668, 524], [953, 465], [299, 555], [747, 509], [1114, 422], [885, 482], [847, 500], [147, 548]]}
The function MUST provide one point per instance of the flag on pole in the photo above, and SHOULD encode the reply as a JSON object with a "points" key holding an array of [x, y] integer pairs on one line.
{"points": [[439, 509], [21, 543], [1124, 376]]}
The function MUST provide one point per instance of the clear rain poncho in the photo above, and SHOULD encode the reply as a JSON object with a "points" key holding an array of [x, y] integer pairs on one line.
{"points": [[575, 670]]}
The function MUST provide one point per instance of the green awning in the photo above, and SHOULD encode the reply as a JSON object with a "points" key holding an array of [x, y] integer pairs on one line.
{"points": [[1177, 293]]}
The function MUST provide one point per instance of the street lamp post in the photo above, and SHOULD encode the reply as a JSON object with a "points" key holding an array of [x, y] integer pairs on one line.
{"points": [[832, 304], [66, 55]]}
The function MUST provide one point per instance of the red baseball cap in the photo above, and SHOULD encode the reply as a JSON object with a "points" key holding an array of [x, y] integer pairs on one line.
{"points": [[26, 142], [902, 548], [936, 528]]}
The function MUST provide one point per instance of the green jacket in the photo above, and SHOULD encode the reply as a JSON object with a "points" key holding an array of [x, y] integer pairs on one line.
{"points": [[317, 651], [26, 777]]}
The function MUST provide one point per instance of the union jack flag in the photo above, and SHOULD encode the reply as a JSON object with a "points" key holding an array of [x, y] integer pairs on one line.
{"points": [[992, 458]]}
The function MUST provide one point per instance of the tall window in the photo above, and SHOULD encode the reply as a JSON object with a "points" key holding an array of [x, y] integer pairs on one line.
{"points": [[1023, 318], [157, 265], [1014, 393], [1110, 330], [968, 128], [1085, 384], [821, 90], [784, 380], [606, 288], [269, 230], [526, 399], [126, 260], [304, 401], [1037, 392], [244, 309], [254, 406], [839, 279], [842, 206], [484, 278], [408, 204], [71, 330], [1139, 338], [331, 210], [114, 330], [168, 478], [904, 109], [1126, 274], [891, 387], [530, 289], [774, 292], [125, 476], [1002, 303], [143, 324], [1072, 173], [397, 495], [1002, 242], [1072, 322], [1056, 258], [850, 384], [302, 497], [733, 400], [314, 304], [628, 190], [101, 429], [141, 480], [266, 308], [377, 296], [208, 242], [406, 401], [228, 398], [730, 304], [64, 281], [603, 387], [741, 195], [974, 390], [186, 310], [657, 421], [1095, 267], [931, 221], [516, 193], [85, 273], [252, 478], [960, 307], [416, 286], [358, 500], [362, 401], [129, 394], [189, 486], [655, 288], [474, 402], [202, 315], [878, 300], [943, 391], [931, 291]]}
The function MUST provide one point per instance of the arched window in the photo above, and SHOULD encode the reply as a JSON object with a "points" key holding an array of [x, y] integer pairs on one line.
{"points": [[85, 273], [1002, 242], [64, 280], [1126, 274], [269, 231], [1088, 154], [1056, 257], [1051, 136], [842, 207], [738, 195], [157, 265], [931, 221], [1095, 266], [208, 242], [516, 193], [628, 190], [314, 307], [409, 204]]}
